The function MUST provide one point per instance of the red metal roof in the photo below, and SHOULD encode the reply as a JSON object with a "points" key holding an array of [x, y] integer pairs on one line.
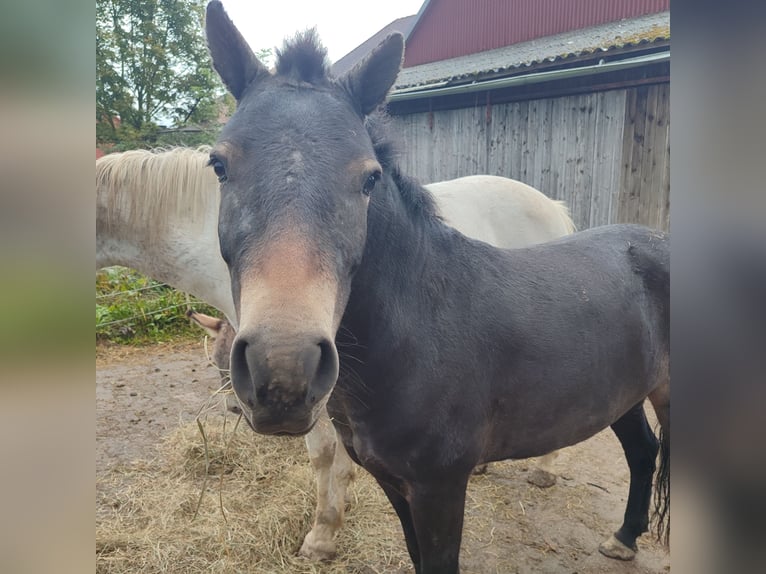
{"points": [[451, 28]]}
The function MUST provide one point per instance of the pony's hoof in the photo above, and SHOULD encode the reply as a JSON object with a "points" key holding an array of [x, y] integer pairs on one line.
{"points": [[317, 550], [541, 478], [481, 469], [613, 548]]}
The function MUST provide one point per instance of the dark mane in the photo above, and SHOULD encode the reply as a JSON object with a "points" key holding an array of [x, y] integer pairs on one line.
{"points": [[418, 199], [303, 58]]}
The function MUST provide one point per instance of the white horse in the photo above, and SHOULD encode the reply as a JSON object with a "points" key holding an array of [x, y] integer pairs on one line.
{"points": [[157, 212]]}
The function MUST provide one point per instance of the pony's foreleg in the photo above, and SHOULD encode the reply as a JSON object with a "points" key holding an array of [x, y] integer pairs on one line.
{"points": [[640, 446], [543, 475], [333, 472], [437, 517], [402, 508]]}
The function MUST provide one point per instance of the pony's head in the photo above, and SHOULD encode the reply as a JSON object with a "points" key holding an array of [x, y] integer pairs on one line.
{"points": [[297, 167]]}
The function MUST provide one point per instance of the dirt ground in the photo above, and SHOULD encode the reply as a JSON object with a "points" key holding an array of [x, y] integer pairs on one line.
{"points": [[144, 394]]}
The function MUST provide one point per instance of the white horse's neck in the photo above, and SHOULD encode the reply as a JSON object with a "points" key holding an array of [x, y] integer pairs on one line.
{"points": [[189, 263]]}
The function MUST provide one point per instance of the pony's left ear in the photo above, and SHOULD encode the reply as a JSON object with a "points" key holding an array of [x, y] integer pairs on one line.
{"points": [[369, 81], [232, 57]]}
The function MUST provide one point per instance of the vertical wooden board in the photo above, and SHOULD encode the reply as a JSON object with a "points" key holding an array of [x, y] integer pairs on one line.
{"points": [[405, 125], [575, 160], [505, 161], [537, 135], [496, 138], [533, 143], [546, 141], [647, 197], [527, 155], [616, 117], [500, 138], [519, 149], [577, 165], [597, 196], [485, 114], [557, 187], [659, 193], [566, 129], [465, 137], [586, 128], [607, 141], [633, 151], [441, 139], [442, 145], [423, 163], [665, 188], [471, 138]]}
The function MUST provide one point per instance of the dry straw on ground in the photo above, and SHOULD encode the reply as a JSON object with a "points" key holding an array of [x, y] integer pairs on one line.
{"points": [[231, 501], [256, 508]]}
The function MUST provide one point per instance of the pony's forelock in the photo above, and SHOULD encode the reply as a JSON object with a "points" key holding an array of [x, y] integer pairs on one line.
{"points": [[303, 58]]}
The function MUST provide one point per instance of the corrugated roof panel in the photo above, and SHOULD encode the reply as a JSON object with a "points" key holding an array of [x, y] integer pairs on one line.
{"points": [[602, 38], [451, 28]]}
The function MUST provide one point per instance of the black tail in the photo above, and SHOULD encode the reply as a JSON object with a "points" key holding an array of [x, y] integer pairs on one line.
{"points": [[661, 514]]}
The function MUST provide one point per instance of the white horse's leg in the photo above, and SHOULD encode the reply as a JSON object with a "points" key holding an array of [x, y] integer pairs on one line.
{"points": [[544, 476], [334, 470]]}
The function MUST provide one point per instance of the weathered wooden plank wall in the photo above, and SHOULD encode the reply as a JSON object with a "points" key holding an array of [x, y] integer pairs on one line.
{"points": [[606, 154]]}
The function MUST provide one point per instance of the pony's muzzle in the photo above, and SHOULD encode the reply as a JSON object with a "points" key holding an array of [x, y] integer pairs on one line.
{"points": [[282, 382]]}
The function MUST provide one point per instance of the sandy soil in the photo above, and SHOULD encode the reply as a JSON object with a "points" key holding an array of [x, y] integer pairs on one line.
{"points": [[511, 526]]}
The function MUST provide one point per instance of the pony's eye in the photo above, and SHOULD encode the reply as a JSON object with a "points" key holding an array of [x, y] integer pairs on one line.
{"points": [[218, 168], [369, 184]]}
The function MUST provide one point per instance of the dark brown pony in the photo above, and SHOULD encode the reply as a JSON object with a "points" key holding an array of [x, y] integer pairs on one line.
{"points": [[433, 352]]}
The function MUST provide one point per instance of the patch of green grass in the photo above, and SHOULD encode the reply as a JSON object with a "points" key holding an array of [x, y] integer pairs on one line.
{"points": [[134, 309]]}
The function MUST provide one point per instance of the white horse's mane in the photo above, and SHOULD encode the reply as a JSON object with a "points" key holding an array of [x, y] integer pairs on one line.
{"points": [[142, 189]]}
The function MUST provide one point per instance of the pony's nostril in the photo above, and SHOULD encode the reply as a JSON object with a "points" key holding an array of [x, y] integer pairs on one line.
{"points": [[326, 371], [240, 371], [328, 360]]}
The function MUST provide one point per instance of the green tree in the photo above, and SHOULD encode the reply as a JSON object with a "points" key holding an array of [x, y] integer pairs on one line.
{"points": [[152, 66]]}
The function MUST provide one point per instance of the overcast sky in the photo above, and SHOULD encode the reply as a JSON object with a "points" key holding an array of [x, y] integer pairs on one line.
{"points": [[342, 24]]}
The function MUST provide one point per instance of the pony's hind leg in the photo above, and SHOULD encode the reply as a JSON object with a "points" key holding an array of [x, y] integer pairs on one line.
{"points": [[640, 446]]}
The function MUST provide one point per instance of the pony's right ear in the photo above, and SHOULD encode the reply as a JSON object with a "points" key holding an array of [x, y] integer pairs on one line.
{"points": [[232, 57]]}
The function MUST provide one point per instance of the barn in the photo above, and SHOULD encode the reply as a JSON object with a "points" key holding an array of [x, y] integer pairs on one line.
{"points": [[569, 96]]}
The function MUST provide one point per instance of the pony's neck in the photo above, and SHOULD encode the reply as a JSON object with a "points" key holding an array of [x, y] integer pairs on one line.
{"points": [[403, 258]]}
